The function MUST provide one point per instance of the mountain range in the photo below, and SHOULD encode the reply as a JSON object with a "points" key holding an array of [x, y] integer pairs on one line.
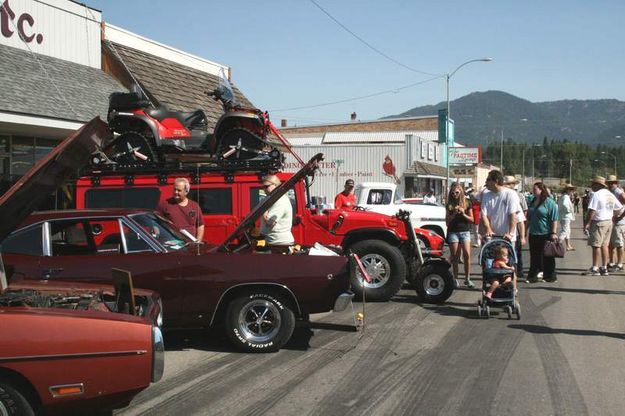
{"points": [[480, 118]]}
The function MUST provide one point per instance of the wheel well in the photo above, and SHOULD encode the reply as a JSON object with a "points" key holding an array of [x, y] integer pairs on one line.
{"points": [[275, 289], [384, 235], [22, 384]]}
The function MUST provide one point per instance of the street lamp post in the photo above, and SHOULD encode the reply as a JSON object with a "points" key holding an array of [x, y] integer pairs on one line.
{"points": [[447, 77], [523, 164], [610, 154]]}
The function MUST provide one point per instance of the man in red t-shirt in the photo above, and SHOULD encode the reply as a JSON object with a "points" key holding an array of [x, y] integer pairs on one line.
{"points": [[346, 200], [184, 213]]}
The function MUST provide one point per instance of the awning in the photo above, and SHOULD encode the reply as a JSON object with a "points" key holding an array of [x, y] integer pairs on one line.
{"points": [[426, 170]]}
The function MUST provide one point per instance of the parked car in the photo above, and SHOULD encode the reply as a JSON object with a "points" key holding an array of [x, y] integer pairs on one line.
{"points": [[201, 285], [383, 197], [227, 194], [71, 347]]}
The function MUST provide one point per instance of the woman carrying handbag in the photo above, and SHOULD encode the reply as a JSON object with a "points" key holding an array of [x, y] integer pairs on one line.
{"points": [[543, 224]]}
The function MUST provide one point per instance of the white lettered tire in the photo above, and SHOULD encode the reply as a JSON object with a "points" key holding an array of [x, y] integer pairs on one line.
{"points": [[259, 322]]}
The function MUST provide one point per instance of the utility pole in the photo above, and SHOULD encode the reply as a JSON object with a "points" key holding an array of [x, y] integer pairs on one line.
{"points": [[501, 150]]}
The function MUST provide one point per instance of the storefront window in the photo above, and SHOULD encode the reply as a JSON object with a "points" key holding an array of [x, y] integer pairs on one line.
{"points": [[22, 154], [43, 147]]}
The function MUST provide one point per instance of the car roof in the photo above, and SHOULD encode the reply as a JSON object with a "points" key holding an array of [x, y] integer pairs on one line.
{"points": [[41, 216]]}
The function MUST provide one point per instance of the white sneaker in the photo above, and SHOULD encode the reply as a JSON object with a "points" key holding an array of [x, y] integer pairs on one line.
{"points": [[539, 275]]}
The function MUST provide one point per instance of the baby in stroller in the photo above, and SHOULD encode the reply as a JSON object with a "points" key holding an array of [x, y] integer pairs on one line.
{"points": [[499, 280], [501, 262]]}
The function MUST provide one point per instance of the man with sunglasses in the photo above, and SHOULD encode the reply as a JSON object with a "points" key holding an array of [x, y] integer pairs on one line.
{"points": [[276, 222]]}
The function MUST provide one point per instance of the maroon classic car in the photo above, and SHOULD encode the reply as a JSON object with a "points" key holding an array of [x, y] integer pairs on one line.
{"points": [[70, 347], [257, 297]]}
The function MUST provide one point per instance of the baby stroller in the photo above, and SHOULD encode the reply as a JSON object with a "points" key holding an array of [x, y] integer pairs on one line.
{"points": [[504, 296]]}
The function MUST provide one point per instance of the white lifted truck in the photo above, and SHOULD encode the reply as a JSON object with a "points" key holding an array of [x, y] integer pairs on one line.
{"points": [[383, 197]]}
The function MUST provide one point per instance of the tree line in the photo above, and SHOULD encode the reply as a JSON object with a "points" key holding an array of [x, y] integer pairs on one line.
{"points": [[574, 161]]}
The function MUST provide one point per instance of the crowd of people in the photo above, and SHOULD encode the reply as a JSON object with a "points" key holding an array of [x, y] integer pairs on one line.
{"points": [[498, 209], [501, 209]]}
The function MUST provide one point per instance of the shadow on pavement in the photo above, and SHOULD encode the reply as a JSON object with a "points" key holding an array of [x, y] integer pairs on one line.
{"points": [[576, 290], [539, 329]]}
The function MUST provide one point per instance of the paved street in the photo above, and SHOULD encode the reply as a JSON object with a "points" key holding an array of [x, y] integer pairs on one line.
{"points": [[564, 357]]}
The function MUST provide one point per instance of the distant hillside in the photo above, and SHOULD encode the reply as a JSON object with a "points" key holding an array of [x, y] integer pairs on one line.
{"points": [[480, 116]]}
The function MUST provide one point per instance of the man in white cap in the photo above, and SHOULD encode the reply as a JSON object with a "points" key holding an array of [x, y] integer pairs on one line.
{"points": [[512, 182], [602, 209], [617, 239]]}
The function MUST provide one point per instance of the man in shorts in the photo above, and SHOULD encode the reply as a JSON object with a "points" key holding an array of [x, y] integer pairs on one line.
{"points": [[617, 240], [512, 183], [603, 207]]}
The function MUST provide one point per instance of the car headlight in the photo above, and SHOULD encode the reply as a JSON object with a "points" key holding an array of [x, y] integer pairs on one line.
{"points": [[158, 354]]}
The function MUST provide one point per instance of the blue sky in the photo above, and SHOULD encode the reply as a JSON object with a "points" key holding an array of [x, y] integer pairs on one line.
{"points": [[288, 53]]}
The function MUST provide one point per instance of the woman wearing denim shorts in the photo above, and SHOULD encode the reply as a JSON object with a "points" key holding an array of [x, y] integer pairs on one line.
{"points": [[459, 219]]}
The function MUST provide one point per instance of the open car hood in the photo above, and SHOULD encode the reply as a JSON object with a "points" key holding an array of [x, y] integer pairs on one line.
{"points": [[249, 221], [47, 175]]}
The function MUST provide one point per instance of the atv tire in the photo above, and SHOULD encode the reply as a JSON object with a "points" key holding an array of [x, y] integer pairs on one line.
{"points": [[245, 143], [434, 282], [132, 139], [386, 268]]}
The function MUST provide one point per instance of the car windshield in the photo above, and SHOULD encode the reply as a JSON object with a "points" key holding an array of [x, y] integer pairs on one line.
{"points": [[162, 230]]}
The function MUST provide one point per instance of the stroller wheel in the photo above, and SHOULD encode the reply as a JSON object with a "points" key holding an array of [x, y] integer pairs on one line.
{"points": [[517, 310], [509, 311]]}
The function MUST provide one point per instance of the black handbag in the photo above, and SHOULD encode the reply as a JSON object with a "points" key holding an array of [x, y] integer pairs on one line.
{"points": [[554, 249]]}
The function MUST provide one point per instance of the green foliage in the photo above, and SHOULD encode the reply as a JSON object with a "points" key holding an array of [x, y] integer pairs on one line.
{"points": [[557, 159]]}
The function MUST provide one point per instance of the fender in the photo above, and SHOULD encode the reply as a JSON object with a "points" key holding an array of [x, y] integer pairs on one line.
{"points": [[383, 234], [149, 122], [224, 121]]}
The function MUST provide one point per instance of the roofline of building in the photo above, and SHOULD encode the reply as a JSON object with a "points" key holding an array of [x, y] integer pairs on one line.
{"points": [[38, 122], [345, 123], [127, 38]]}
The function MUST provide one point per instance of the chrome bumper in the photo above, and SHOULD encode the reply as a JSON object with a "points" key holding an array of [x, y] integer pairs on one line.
{"points": [[343, 301]]}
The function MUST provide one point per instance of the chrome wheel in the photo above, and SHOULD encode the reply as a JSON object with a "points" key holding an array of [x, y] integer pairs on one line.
{"points": [[378, 269], [259, 321], [3, 410], [433, 284]]}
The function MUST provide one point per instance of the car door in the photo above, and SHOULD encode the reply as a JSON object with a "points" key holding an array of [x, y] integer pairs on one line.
{"points": [[21, 252], [86, 249]]}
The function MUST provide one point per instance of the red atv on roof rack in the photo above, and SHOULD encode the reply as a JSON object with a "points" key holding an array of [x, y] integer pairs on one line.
{"points": [[147, 133]]}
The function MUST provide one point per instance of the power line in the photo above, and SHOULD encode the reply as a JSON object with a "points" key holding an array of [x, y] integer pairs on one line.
{"points": [[370, 46], [362, 97]]}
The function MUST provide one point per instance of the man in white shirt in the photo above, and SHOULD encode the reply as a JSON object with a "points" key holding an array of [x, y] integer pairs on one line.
{"points": [[499, 208], [512, 183], [617, 239], [602, 209]]}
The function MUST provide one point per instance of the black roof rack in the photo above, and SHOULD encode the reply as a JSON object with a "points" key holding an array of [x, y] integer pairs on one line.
{"points": [[201, 165]]}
